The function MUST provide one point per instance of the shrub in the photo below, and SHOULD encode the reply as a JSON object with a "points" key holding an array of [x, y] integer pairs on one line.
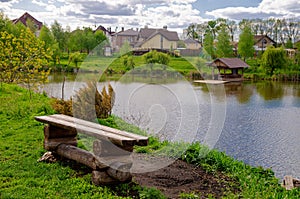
{"points": [[62, 106], [88, 103]]}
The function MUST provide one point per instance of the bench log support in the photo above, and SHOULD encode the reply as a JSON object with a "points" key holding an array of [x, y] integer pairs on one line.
{"points": [[111, 161]]}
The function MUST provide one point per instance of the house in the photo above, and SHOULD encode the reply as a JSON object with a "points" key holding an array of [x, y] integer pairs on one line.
{"points": [[146, 38], [262, 41], [191, 47], [235, 65], [163, 39], [192, 44], [27, 17], [118, 39]]}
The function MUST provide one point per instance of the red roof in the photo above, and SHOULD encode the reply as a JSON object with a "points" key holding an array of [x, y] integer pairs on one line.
{"points": [[26, 16]]}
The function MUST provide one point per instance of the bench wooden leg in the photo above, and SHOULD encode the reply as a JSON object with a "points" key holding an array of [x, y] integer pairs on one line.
{"points": [[103, 148], [55, 136]]}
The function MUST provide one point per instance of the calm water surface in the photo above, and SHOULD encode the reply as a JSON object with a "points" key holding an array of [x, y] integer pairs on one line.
{"points": [[258, 123]]}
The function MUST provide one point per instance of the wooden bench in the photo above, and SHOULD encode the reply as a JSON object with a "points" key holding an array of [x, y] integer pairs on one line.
{"points": [[110, 159]]}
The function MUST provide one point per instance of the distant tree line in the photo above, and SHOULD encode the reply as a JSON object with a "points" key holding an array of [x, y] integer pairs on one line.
{"points": [[281, 31]]}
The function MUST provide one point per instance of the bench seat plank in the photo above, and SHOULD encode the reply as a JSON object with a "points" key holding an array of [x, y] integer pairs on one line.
{"points": [[97, 133], [140, 140]]}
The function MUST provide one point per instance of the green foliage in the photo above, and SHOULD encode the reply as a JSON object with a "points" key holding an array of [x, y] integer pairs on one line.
{"points": [[272, 59], [223, 46], [289, 44], [125, 48], [59, 35], [246, 42], [208, 45], [153, 57], [50, 44], [150, 193], [85, 40], [76, 58], [128, 62], [23, 59]]}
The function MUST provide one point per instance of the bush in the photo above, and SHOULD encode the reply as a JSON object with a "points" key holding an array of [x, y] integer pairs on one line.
{"points": [[87, 103]]}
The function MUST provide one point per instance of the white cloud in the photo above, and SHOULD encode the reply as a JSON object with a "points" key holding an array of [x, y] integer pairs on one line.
{"points": [[176, 14], [266, 9]]}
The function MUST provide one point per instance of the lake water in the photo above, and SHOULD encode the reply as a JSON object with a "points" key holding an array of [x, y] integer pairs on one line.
{"points": [[258, 123]]}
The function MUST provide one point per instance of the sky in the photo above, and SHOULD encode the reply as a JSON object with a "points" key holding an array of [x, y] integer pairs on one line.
{"points": [[176, 14]]}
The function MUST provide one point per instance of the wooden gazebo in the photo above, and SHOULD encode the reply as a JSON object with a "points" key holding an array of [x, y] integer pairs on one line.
{"points": [[229, 69]]}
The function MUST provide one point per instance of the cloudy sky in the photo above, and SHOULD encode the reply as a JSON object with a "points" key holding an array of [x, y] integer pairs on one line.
{"points": [[176, 14]]}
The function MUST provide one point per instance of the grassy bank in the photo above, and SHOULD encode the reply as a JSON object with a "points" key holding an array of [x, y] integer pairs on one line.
{"points": [[21, 145], [187, 66]]}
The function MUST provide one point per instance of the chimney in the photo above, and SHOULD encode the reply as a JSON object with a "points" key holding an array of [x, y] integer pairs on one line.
{"points": [[122, 29], [165, 27]]}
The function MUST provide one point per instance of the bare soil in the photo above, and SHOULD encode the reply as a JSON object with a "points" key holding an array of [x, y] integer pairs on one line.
{"points": [[181, 177]]}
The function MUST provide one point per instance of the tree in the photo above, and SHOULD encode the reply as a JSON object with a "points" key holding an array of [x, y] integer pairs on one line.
{"points": [[75, 41], [47, 37], [192, 31], [223, 46], [75, 58], [59, 35], [89, 40], [208, 44], [230, 25], [246, 42], [128, 62], [289, 44], [50, 44], [125, 48], [153, 57], [272, 59], [23, 59]]}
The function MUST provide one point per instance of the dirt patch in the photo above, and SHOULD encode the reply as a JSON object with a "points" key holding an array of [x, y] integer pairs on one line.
{"points": [[181, 177]]}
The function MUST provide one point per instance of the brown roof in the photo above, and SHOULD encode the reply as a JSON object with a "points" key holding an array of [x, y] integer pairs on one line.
{"points": [[258, 38], [148, 33], [128, 32], [26, 16], [229, 63], [191, 41]]}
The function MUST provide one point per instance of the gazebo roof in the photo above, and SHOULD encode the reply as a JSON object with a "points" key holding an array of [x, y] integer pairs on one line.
{"points": [[229, 63]]}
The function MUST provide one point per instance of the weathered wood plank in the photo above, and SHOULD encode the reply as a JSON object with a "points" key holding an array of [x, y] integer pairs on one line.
{"points": [[288, 182], [99, 134], [81, 156], [104, 148], [102, 178], [52, 144], [140, 140], [120, 171], [55, 132]]}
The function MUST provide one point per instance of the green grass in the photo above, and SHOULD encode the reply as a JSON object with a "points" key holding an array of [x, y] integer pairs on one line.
{"points": [[21, 145]]}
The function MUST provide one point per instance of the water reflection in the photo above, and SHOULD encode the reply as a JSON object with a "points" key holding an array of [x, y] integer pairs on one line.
{"points": [[270, 90]]}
